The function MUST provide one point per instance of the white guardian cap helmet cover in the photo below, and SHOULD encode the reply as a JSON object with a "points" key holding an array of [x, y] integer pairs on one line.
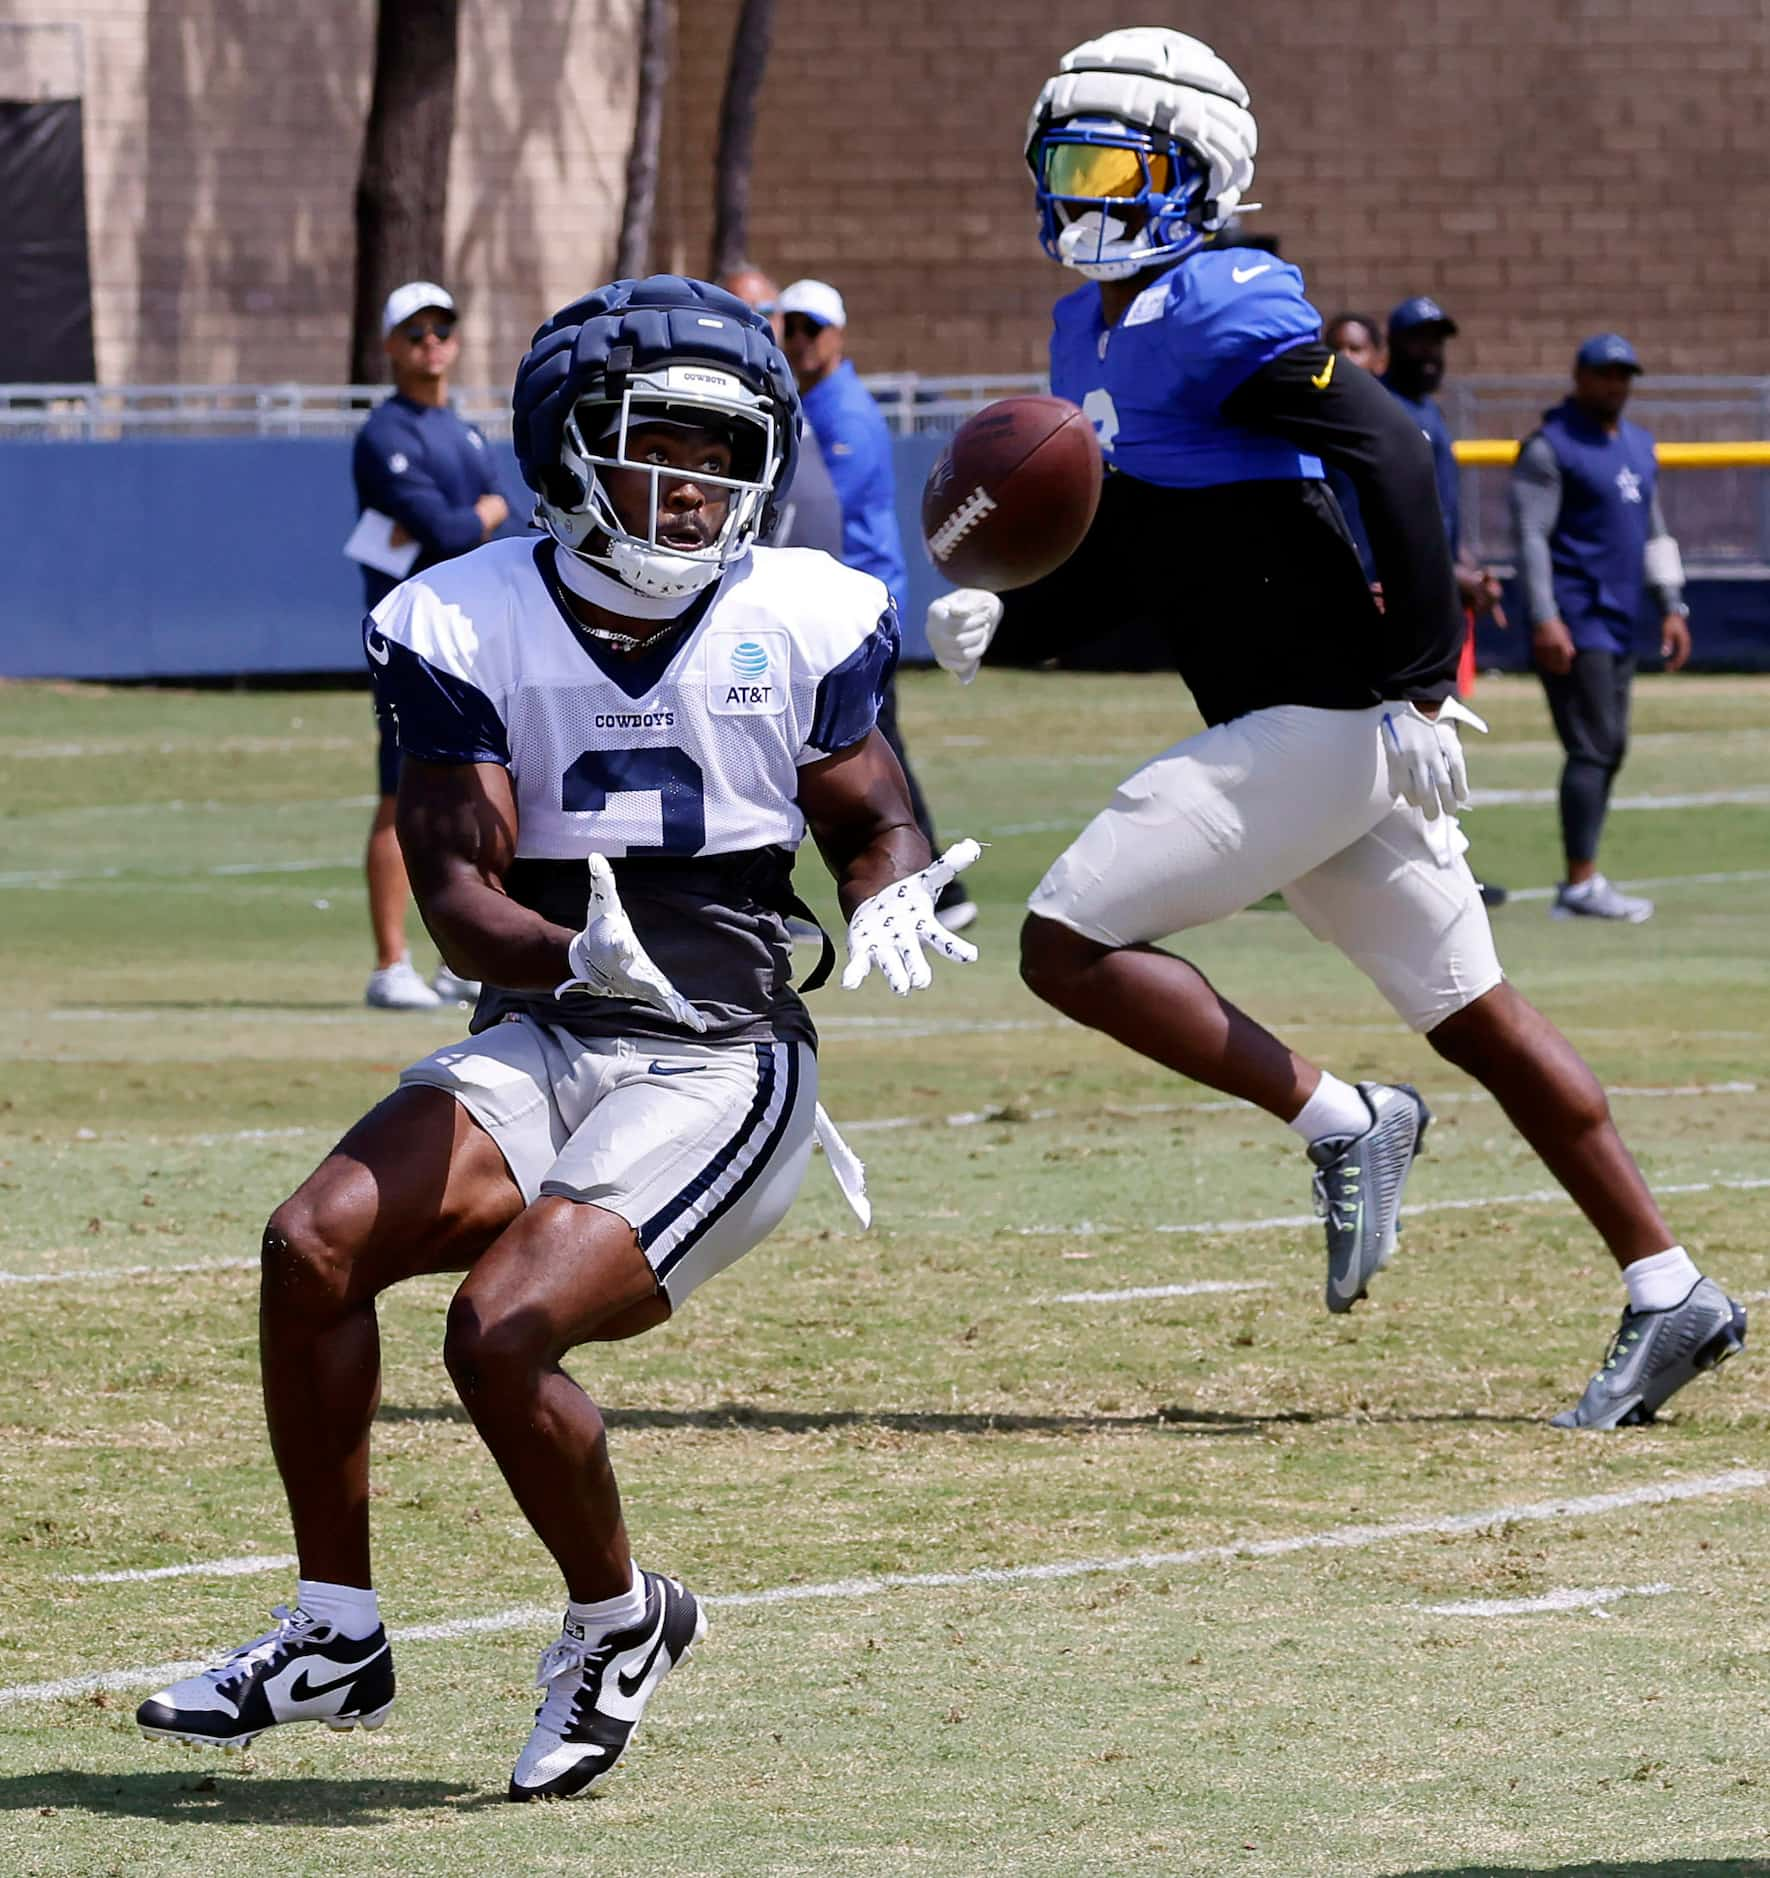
{"points": [[1141, 147]]}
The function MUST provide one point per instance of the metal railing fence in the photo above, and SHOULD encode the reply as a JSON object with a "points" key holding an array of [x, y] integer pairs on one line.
{"points": [[1721, 516], [103, 413]]}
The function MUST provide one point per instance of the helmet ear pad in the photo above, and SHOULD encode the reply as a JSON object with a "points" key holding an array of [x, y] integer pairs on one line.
{"points": [[564, 488]]}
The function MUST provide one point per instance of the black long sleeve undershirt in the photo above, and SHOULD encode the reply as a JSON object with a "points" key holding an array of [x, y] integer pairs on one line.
{"points": [[1253, 589], [1341, 414]]}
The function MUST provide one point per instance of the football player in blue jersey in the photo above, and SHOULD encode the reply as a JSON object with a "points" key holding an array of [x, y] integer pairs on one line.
{"points": [[1330, 768], [613, 739]]}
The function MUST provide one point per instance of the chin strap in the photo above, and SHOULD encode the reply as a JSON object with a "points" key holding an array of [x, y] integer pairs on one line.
{"points": [[590, 582]]}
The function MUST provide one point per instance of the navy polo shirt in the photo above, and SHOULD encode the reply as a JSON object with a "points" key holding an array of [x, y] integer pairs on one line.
{"points": [[426, 466]]}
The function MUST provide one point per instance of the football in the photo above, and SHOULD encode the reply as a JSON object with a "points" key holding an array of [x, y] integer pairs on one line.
{"points": [[1013, 494]]}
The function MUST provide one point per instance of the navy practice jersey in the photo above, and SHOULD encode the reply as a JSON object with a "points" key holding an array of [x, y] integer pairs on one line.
{"points": [[681, 765], [1215, 404]]}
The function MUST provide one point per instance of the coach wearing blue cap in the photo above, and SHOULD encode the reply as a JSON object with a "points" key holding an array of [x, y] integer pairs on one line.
{"points": [[1418, 329], [1591, 537]]}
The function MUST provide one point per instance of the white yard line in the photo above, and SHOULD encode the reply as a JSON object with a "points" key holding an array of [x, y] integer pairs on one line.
{"points": [[111, 811], [1540, 1196], [26, 751], [248, 1566], [1662, 880], [1593, 1601], [886, 1124], [1081, 1229], [1335, 1539], [104, 1274], [85, 1137], [1196, 1288], [115, 876], [1755, 796], [231, 1014], [974, 1118]]}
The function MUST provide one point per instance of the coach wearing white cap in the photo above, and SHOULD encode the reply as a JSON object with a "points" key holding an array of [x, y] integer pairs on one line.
{"points": [[856, 444], [425, 480]]}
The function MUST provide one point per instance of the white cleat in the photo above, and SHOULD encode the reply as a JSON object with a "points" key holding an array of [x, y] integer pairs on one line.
{"points": [[452, 989], [303, 1670], [596, 1693], [1596, 898], [399, 988]]}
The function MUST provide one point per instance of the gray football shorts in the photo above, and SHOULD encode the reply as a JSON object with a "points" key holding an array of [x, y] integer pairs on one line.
{"points": [[699, 1147]]}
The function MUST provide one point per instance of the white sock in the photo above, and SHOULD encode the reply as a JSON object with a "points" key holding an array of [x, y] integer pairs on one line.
{"points": [[1656, 1284], [1336, 1108], [350, 1609], [589, 1621]]}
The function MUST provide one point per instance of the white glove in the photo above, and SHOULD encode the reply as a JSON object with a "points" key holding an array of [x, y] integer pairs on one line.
{"points": [[960, 626], [891, 928], [608, 961], [1425, 757]]}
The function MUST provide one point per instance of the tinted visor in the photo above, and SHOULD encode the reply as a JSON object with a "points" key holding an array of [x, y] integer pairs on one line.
{"points": [[1102, 171]]}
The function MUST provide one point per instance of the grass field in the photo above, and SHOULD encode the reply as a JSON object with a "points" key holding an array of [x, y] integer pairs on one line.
{"points": [[1002, 1579]]}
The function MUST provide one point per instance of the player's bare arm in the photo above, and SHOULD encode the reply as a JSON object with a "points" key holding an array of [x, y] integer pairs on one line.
{"points": [[462, 832], [458, 827], [857, 806]]}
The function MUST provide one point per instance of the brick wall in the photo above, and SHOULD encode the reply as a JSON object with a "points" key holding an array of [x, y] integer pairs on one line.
{"points": [[1545, 169], [222, 140]]}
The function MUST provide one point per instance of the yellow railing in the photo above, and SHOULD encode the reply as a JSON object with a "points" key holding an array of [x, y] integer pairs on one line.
{"points": [[1497, 452]]}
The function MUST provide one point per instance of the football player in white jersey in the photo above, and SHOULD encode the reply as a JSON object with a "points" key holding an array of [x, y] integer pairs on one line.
{"points": [[614, 737]]}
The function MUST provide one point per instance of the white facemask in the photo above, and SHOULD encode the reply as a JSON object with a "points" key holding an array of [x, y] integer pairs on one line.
{"points": [[1098, 245]]}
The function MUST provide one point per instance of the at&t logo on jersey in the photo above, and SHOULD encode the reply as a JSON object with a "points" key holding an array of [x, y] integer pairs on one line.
{"points": [[747, 674]]}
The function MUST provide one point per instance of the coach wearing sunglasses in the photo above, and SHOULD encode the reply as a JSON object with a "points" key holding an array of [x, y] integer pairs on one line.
{"points": [[426, 480]]}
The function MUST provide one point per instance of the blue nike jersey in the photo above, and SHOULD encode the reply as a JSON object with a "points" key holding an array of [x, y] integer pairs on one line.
{"points": [[1154, 385]]}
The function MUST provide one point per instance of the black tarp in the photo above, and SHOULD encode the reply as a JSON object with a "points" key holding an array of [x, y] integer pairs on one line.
{"points": [[45, 276]]}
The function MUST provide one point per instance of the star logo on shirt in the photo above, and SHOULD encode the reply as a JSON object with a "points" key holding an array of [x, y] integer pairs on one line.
{"points": [[1629, 484]]}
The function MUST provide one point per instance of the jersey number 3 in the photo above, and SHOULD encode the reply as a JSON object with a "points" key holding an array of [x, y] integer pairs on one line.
{"points": [[673, 776], [1100, 411]]}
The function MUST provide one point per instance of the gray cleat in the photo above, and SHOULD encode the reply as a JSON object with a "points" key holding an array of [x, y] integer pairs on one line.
{"points": [[1653, 1355], [1596, 898], [1358, 1185]]}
